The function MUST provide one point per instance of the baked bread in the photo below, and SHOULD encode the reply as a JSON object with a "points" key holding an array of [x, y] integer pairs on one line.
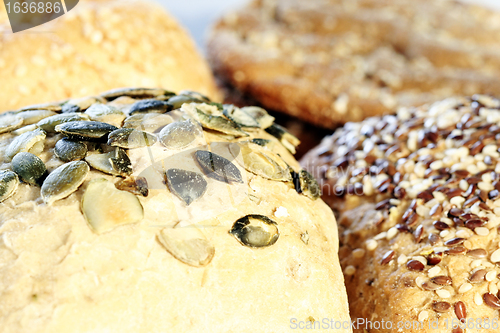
{"points": [[417, 200], [194, 222], [99, 45], [329, 62]]}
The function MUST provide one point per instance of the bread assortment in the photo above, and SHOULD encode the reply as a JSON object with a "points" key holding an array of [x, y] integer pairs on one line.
{"points": [[329, 62], [99, 45], [139, 210], [418, 204]]}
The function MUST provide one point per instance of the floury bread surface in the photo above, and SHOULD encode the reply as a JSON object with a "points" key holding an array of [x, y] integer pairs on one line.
{"points": [[97, 46], [418, 204], [74, 265]]}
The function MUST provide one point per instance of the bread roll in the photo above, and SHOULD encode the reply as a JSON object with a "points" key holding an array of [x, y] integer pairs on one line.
{"points": [[330, 62], [417, 198], [201, 231], [97, 46]]}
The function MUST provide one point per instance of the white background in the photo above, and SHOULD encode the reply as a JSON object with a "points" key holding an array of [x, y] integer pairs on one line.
{"points": [[198, 15]]}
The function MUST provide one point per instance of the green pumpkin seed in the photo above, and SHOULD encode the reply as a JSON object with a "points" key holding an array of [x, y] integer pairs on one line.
{"points": [[255, 231], [212, 118], [176, 102], [288, 140], [10, 122], [188, 245], [63, 181], [137, 186], [32, 142], [105, 207], [179, 135], [30, 168], [135, 93], [186, 185], [263, 142], [217, 167], [67, 150], [56, 106], [116, 162], [260, 161], [240, 117], [149, 122], [260, 115], [24, 129], [81, 104], [86, 130], [48, 124], [34, 116], [106, 114], [309, 185], [130, 138], [196, 95], [9, 181], [150, 106]]}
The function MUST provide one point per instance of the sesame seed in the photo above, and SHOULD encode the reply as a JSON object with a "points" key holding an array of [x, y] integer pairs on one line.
{"points": [[492, 287], [439, 196], [463, 185], [423, 211], [444, 233], [423, 315], [350, 270], [358, 253], [443, 293], [482, 231], [485, 186], [495, 256], [371, 245], [468, 244], [391, 233], [402, 259], [462, 233], [490, 276], [421, 259], [476, 263], [380, 236], [478, 299], [458, 201], [464, 288], [434, 271]]}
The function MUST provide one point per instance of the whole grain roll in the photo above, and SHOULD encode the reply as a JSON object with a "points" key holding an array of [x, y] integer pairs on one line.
{"points": [[145, 211], [418, 201], [97, 46]]}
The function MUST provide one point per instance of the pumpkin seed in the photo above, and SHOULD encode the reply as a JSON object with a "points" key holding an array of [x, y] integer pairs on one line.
{"points": [[263, 142], [10, 122], [150, 106], [105, 207], [32, 142], [260, 161], [81, 104], [195, 94], [86, 130], [9, 181], [215, 121], [48, 124], [309, 186], [52, 106], [149, 122], [179, 135], [106, 114], [24, 129], [255, 231], [34, 116], [240, 117], [116, 162], [260, 115], [67, 150], [176, 102], [186, 185], [217, 167], [30, 168], [130, 138], [135, 93], [188, 245], [63, 181], [137, 186], [288, 140]]}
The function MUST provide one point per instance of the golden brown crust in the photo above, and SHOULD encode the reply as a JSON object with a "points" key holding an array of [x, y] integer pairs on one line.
{"points": [[417, 197], [332, 62], [97, 46]]}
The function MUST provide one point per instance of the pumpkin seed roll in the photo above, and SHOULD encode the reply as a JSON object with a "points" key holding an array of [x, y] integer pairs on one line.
{"points": [[417, 196], [97, 46], [142, 210]]}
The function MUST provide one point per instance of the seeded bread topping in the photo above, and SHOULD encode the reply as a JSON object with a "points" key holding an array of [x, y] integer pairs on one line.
{"points": [[149, 211], [329, 62], [418, 201]]}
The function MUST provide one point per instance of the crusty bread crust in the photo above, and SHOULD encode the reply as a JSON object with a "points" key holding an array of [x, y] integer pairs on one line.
{"points": [[97, 46], [337, 61], [418, 204]]}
